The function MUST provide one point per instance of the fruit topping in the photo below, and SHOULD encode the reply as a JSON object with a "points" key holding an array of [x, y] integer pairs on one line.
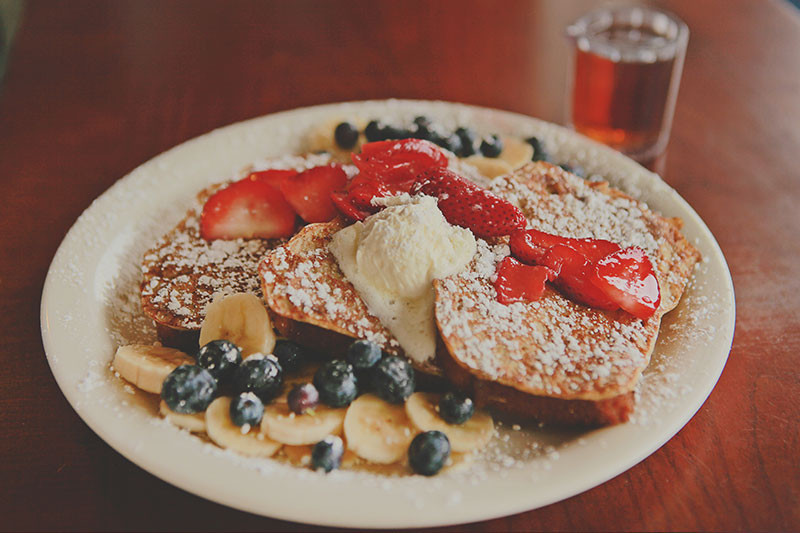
{"points": [[291, 355], [336, 383], [594, 272], [400, 161], [428, 453], [272, 176], [393, 379], [346, 135], [573, 277], [189, 389], [327, 454], [260, 375], [456, 408], [246, 408], [220, 358], [309, 192], [248, 208], [530, 246], [468, 141], [465, 204], [302, 398], [518, 282], [627, 278], [363, 354], [492, 146], [539, 152]]}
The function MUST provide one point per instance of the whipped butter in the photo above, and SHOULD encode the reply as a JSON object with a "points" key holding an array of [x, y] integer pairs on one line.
{"points": [[392, 258]]}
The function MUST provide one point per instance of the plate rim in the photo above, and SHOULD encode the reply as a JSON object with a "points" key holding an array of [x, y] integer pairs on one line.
{"points": [[513, 506]]}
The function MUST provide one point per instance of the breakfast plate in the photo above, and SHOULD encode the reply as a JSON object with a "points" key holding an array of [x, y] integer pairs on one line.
{"points": [[90, 305]]}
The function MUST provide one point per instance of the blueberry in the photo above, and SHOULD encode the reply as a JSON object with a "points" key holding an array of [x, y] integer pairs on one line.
{"points": [[456, 408], [539, 152], [336, 383], [393, 379], [247, 408], [391, 132], [423, 132], [363, 354], [428, 452], [346, 135], [221, 358], [189, 389], [423, 121], [576, 169], [303, 397], [327, 454], [491, 146], [468, 140], [291, 355], [261, 375], [374, 131]]}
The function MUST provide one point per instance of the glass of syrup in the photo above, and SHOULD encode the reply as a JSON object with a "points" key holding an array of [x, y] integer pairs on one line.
{"points": [[624, 76]]}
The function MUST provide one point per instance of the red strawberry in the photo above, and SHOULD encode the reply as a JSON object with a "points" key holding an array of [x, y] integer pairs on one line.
{"points": [[517, 282], [627, 277], [309, 192], [574, 271], [465, 204], [247, 208], [346, 206], [398, 162], [530, 246], [273, 176]]}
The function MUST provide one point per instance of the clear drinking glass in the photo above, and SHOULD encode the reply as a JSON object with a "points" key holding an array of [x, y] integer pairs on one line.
{"points": [[624, 75]]}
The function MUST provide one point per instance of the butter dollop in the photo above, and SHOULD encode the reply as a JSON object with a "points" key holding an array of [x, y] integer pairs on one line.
{"points": [[392, 259]]}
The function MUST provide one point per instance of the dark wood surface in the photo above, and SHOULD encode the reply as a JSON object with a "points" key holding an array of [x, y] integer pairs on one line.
{"points": [[93, 89]]}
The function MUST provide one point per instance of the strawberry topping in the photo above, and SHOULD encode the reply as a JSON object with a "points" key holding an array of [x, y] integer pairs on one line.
{"points": [[273, 176], [593, 272], [248, 208], [517, 282], [398, 162], [627, 277], [465, 204], [309, 192]]}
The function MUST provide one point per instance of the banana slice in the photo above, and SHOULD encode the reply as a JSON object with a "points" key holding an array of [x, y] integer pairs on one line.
{"points": [[491, 167], [196, 423], [146, 366], [242, 319], [282, 425], [228, 435], [377, 430], [473, 434], [516, 152]]}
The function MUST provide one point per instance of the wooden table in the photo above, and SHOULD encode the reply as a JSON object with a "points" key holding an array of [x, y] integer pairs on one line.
{"points": [[95, 88]]}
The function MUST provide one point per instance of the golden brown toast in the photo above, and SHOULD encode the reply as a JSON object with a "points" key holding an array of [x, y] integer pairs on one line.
{"points": [[317, 305], [183, 271], [553, 359]]}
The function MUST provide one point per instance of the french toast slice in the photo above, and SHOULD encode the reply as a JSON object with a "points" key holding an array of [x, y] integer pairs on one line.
{"points": [[182, 273], [313, 303], [555, 360]]}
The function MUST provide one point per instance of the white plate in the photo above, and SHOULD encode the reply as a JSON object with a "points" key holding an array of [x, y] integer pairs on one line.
{"points": [[90, 302]]}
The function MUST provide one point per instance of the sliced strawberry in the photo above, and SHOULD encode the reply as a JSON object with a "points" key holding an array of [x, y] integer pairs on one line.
{"points": [[273, 176], [345, 206], [309, 192], [517, 282], [247, 208], [531, 245], [627, 277], [400, 161], [465, 204], [573, 277]]}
